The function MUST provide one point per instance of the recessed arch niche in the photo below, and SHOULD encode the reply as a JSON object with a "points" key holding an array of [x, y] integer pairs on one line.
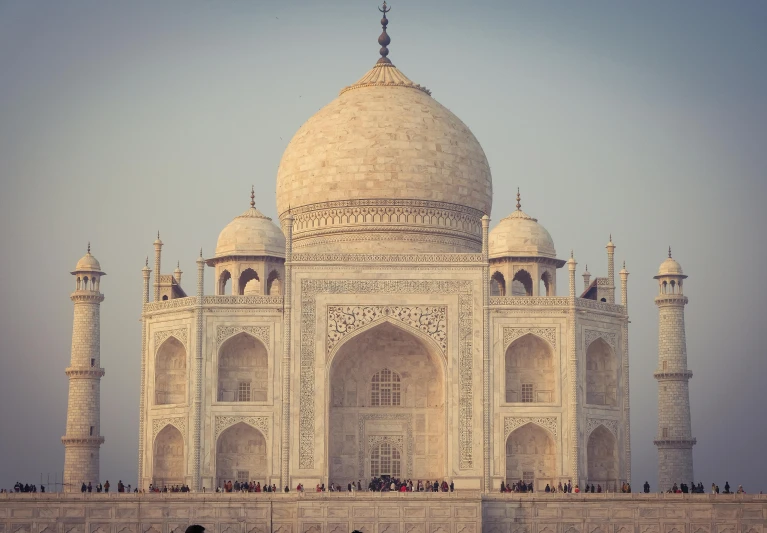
{"points": [[241, 454], [168, 458], [603, 458], [170, 373], [529, 376], [243, 370], [601, 374], [386, 355], [531, 455]]}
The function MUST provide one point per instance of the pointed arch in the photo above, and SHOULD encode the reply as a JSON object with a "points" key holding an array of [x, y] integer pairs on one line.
{"points": [[430, 343], [403, 358], [274, 284], [250, 282], [168, 458], [522, 283], [601, 374], [170, 372], [531, 455], [602, 458], [547, 284], [223, 279], [243, 369], [497, 284], [241, 454], [529, 370]]}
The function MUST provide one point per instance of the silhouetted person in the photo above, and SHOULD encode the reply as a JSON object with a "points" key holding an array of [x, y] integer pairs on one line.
{"points": [[83, 488], [726, 487], [646, 487]]}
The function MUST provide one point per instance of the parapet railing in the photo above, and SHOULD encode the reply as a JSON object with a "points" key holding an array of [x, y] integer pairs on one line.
{"points": [[223, 300]]}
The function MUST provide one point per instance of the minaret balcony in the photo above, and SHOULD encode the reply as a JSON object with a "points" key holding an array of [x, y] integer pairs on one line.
{"points": [[88, 372], [672, 376], [82, 441], [675, 443]]}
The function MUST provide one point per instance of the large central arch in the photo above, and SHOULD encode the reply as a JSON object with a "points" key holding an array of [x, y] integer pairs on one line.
{"points": [[386, 406]]}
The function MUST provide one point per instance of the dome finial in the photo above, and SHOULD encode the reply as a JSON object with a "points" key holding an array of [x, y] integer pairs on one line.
{"points": [[252, 197], [89, 247], [519, 204], [669, 252], [384, 39]]}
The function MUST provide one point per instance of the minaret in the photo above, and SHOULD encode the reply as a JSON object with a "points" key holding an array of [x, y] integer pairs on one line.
{"points": [[610, 271], [177, 273], [157, 253], [674, 440], [586, 278], [83, 436]]}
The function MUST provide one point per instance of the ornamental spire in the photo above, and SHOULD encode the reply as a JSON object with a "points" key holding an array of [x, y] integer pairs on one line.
{"points": [[252, 197], [519, 204], [384, 38], [89, 247], [669, 252]]}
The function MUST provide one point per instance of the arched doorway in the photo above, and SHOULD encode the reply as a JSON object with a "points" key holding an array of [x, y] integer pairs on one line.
{"points": [[530, 371], [531, 456], [170, 373], [168, 463], [243, 370], [601, 374], [603, 459], [241, 455], [522, 283], [386, 407]]}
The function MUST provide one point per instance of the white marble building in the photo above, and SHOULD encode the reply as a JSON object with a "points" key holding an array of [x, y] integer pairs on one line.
{"points": [[382, 328]]}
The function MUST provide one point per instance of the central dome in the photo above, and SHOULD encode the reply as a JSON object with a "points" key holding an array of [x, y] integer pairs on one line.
{"points": [[385, 168]]}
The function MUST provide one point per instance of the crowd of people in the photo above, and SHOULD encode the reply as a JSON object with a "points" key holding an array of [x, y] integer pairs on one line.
{"points": [[25, 487], [387, 484]]}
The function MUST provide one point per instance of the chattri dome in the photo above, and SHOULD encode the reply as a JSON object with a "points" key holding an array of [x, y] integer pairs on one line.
{"points": [[251, 234], [520, 235], [88, 263], [670, 267], [383, 167]]}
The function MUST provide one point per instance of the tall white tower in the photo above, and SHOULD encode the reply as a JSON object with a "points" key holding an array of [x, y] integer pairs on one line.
{"points": [[83, 438], [674, 440]]}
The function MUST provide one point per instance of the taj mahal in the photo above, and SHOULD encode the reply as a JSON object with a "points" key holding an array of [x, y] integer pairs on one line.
{"points": [[383, 326]]}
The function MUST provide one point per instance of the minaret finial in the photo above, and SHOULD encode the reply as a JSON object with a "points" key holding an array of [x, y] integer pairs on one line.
{"points": [[519, 204], [89, 246], [252, 197], [571, 255], [669, 252], [200, 252], [146, 263], [624, 263], [384, 39]]}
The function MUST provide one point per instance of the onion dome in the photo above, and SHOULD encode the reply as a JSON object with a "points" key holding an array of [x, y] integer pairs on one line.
{"points": [[251, 234], [384, 166], [520, 235]]}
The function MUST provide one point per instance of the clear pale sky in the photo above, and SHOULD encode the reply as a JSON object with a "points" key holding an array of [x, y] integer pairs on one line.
{"points": [[646, 120]]}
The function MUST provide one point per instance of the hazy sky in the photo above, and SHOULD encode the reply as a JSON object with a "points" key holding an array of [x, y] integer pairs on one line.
{"points": [[644, 119]]}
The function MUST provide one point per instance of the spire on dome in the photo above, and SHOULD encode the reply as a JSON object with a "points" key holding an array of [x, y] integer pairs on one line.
{"points": [[89, 247], [519, 204], [252, 197], [669, 252], [384, 40]]}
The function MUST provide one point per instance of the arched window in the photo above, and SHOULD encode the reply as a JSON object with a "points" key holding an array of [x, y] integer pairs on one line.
{"points": [[249, 282], [497, 285], [546, 290], [529, 371], [165, 297], [224, 282], [385, 389], [522, 284], [385, 461], [273, 284]]}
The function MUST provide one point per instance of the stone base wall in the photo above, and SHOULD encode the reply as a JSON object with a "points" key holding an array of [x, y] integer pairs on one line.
{"points": [[459, 512]]}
